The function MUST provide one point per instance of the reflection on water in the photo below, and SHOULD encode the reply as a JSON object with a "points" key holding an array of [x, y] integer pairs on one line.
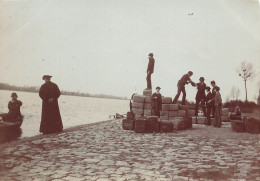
{"points": [[74, 110], [9, 134]]}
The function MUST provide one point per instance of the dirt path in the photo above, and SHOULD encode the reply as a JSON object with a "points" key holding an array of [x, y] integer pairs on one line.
{"points": [[104, 151]]}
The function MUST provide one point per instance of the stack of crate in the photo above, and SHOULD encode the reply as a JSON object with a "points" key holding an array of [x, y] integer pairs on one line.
{"points": [[142, 104], [170, 111], [175, 116]]}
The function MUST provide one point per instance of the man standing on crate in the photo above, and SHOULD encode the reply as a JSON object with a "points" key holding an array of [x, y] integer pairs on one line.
{"points": [[149, 70], [157, 100], [200, 96], [181, 87]]}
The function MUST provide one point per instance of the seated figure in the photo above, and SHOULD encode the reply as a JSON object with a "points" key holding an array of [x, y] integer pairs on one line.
{"points": [[14, 109], [236, 115]]}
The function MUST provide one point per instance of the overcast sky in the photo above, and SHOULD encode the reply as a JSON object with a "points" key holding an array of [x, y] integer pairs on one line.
{"points": [[101, 46]]}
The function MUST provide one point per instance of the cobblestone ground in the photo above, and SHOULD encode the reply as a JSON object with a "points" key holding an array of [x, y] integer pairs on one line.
{"points": [[104, 151]]}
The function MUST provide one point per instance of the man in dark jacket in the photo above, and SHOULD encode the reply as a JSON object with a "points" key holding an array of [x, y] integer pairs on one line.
{"points": [[181, 87], [213, 84], [149, 70], [200, 96], [209, 105], [157, 100], [51, 120]]}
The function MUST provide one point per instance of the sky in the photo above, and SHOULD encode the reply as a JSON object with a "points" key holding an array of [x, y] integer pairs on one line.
{"points": [[102, 46]]}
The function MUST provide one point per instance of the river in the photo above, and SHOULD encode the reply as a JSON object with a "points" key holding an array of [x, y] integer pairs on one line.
{"points": [[74, 110]]}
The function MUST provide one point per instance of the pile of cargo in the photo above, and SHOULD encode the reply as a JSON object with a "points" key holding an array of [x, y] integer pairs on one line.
{"points": [[172, 116], [248, 125]]}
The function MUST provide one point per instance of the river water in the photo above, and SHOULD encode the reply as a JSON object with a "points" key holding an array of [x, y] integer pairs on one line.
{"points": [[74, 110]]}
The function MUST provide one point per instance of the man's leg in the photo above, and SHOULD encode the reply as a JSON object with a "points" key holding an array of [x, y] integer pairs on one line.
{"points": [[183, 95], [203, 108], [197, 108], [213, 111], [177, 96], [149, 83], [208, 114]]}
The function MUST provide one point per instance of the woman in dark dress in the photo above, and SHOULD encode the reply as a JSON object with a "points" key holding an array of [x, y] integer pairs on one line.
{"points": [[51, 120]]}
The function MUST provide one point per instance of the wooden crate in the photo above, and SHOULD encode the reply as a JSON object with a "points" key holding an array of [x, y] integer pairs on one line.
{"points": [[152, 124], [128, 124]]}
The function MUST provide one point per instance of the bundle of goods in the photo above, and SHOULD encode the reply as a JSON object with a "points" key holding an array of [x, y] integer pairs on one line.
{"points": [[129, 122], [224, 115], [170, 110], [142, 104], [249, 125], [147, 124]]}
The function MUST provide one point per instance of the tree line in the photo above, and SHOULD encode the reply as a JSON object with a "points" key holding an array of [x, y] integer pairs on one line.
{"points": [[4, 86]]}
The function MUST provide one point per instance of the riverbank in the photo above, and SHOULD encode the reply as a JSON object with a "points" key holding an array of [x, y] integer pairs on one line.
{"points": [[103, 151]]}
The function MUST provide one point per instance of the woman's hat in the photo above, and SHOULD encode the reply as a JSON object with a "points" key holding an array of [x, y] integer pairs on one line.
{"points": [[14, 94], [46, 76], [158, 87]]}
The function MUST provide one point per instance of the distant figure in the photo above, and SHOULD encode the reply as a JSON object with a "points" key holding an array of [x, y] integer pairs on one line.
{"points": [[149, 71], [236, 115], [218, 107], [14, 109], [51, 120], [200, 96], [209, 105], [181, 87], [213, 84], [157, 100]]}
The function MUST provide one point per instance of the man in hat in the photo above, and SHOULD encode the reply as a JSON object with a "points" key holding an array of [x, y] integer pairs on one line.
{"points": [[14, 109], [157, 100], [51, 120], [200, 96], [181, 87], [149, 70], [209, 105]]}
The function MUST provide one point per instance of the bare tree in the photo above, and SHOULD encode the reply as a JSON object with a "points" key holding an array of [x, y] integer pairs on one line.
{"points": [[237, 93], [247, 72], [234, 93]]}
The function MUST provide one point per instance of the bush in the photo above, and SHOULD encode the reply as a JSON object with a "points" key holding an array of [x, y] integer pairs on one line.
{"points": [[245, 107]]}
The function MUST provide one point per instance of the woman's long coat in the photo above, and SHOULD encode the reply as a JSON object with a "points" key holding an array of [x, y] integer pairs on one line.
{"points": [[51, 120]]}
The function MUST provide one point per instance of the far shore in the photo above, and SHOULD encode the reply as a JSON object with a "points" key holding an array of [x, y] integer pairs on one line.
{"points": [[74, 94]]}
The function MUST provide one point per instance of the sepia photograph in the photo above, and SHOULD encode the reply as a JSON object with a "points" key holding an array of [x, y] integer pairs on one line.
{"points": [[129, 90]]}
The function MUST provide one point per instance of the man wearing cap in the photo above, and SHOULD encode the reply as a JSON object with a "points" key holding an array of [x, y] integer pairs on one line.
{"points": [[149, 70], [200, 96], [14, 109], [157, 100], [181, 87], [51, 120]]}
